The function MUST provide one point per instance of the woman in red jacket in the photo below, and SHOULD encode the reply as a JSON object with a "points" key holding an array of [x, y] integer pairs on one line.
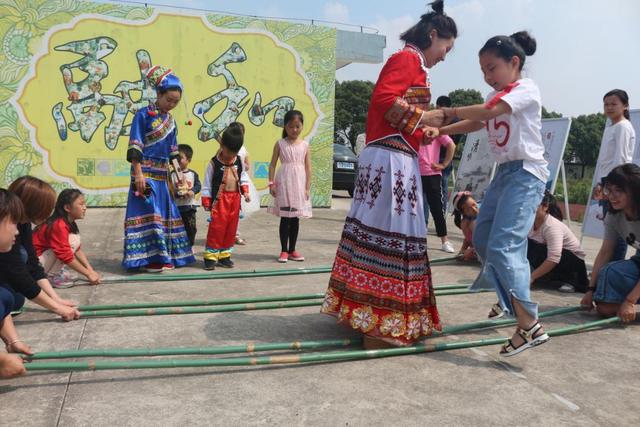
{"points": [[381, 281]]}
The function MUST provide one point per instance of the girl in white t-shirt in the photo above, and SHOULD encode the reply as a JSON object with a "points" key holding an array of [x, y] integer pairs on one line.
{"points": [[616, 148], [512, 117]]}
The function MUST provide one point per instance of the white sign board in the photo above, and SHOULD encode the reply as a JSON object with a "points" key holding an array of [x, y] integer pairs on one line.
{"points": [[592, 224], [555, 133], [476, 164]]}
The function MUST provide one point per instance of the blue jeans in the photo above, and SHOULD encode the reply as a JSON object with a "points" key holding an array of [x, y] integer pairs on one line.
{"points": [[616, 280], [500, 237], [6, 302]]}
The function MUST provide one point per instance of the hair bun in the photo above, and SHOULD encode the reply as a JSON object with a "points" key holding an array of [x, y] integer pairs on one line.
{"points": [[524, 39], [438, 7]]}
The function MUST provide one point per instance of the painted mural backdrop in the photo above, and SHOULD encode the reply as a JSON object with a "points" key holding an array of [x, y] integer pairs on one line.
{"points": [[71, 79]]}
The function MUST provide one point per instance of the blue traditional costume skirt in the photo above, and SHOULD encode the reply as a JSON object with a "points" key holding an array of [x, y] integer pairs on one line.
{"points": [[153, 228]]}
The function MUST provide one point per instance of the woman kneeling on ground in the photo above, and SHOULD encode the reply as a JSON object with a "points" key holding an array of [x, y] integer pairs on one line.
{"points": [[554, 252], [614, 288]]}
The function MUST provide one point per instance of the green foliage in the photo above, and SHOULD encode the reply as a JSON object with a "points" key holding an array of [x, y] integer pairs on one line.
{"points": [[585, 135], [352, 103], [579, 190], [546, 114], [464, 97]]}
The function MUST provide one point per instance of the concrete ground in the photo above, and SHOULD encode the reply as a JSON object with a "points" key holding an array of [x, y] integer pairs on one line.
{"points": [[584, 379]]}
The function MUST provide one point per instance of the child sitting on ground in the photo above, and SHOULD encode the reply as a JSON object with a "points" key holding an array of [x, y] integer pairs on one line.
{"points": [[224, 183], [465, 211], [57, 241]]}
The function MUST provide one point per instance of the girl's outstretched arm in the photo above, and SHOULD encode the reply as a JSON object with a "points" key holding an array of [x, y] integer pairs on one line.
{"points": [[479, 112], [88, 271], [463, 126]]}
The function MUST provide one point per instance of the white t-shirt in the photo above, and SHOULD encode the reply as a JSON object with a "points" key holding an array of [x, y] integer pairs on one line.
{"points": [[243, 153], [517, 136], [616, 148]]}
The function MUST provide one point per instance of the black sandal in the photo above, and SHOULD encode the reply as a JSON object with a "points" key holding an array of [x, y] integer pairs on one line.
{"points": [[496, 311]]}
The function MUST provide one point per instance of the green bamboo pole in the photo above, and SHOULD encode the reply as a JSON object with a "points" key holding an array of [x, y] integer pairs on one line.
{"points": [[183, 351], [198, 310], [455, 329], [192, 303], [440, 290], [296, 358], [250, 348], [233, 274], [168, 277], [136, 312]]}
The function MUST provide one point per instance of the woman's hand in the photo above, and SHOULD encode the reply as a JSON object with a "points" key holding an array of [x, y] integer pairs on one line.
{"points": [[65, 302], [627, 311], [67, 313], [272, 189], [597, 192], [93, 277], [307, 194], [433, 118], [587, 300], [431, 132], [140, 183]]}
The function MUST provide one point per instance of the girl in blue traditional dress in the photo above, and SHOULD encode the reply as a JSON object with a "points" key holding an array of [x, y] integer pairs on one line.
{"points": [[154, 235]]}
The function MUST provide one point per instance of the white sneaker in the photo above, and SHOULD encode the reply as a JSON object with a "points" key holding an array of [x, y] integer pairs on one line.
{"points": [[448, 247], [567, 288]]}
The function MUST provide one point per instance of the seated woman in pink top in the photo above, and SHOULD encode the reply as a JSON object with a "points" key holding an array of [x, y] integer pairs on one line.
{"points": [[554, 252]]}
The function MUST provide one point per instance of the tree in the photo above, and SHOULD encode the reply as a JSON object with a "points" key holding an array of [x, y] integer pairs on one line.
{"points": [[463, 97], [584, 138], [352, 103], [546, 114]]}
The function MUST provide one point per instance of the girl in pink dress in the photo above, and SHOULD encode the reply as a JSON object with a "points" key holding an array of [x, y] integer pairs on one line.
{"points": [[292, 184]]}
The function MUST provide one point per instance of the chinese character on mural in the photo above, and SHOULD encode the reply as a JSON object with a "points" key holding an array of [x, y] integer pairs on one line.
{"points": [[235, 96], [86, 97]]}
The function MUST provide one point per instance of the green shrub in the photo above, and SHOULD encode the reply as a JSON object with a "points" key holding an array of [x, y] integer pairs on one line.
{"points": [[579, 190]]}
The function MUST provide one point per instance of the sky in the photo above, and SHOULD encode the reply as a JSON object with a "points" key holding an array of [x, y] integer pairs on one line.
{"points": [[585, 47]]}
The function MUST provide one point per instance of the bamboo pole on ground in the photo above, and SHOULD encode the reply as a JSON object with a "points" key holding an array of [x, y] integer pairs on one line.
{"points": [[172, 310], [191, 303], [298, 358], [173, 277], [250, 348]]}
